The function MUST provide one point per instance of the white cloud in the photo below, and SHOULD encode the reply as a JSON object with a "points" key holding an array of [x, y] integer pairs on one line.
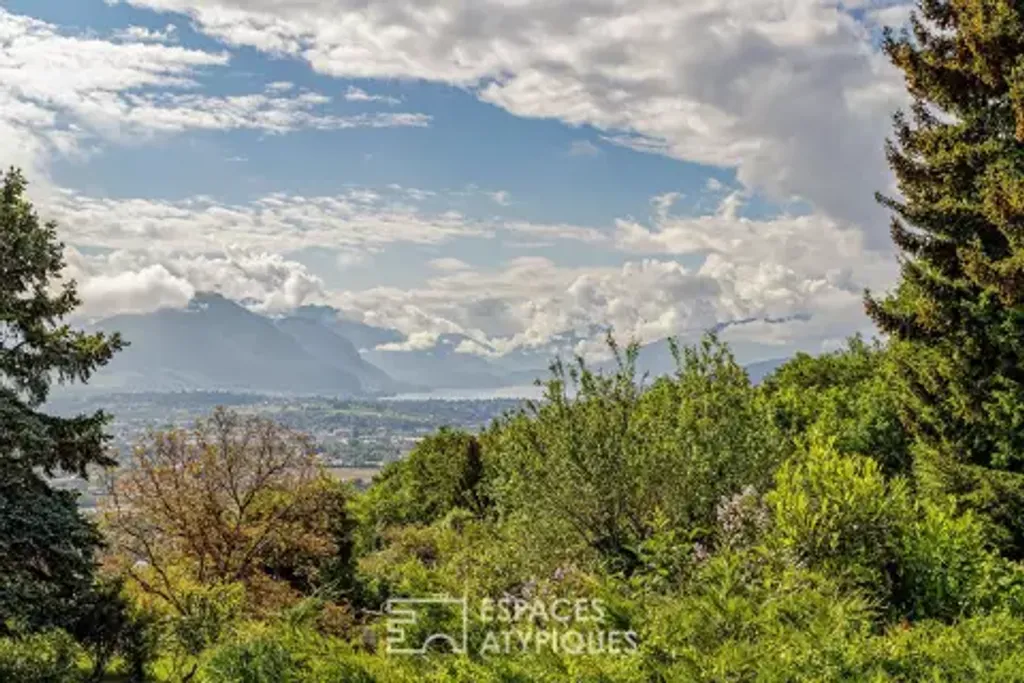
{"points": [[141, 291], [807, 267], [501, 197], [279, 86], [59, 94], [126, 281], [790, 94], [449, 264], [353, 221], [417, 341], [735, 268], [175, 113], [141, 34], [557, 231], [352, 258], [895, 16], [781, 90], [354, 94]]}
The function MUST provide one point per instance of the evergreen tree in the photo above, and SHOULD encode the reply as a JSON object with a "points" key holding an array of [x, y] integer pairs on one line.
{"points": [[46, 547], [957, 317]]}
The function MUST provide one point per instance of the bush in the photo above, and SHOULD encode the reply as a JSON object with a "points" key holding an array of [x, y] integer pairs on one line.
{"points": [[259, 660], [847, 397], [590, 469], [838, 514], [749, 616], [444, 472], [49, 657]]}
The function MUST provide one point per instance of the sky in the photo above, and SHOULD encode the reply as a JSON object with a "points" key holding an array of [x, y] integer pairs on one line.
{"points": [[515, 171]]}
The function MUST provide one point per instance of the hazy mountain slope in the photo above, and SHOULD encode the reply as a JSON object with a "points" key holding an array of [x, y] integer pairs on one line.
{"points": [[760, 370], [215, 344], [362, 336], [440, 366], [335, 351]]}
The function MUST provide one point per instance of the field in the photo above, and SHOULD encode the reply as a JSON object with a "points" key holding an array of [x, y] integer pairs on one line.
{"points": [[359, 475]]}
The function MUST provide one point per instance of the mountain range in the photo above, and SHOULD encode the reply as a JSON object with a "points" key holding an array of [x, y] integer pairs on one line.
{"points": [[218, 344]]}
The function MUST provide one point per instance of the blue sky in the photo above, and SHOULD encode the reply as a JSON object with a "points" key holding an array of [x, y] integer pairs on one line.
{"points": [[508, 173]]}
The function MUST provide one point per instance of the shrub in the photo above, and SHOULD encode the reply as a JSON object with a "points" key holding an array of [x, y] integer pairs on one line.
{"points": [[48, 657], [838, 514]]}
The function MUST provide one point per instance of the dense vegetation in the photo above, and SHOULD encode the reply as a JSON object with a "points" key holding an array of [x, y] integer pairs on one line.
{"points": [[858, 516]]}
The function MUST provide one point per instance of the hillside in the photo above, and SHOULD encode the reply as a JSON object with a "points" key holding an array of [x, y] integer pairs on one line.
{"points": [[215, 343]]}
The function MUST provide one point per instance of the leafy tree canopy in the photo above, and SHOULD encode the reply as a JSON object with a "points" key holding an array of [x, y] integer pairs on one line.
{"points": [[46, 548]]}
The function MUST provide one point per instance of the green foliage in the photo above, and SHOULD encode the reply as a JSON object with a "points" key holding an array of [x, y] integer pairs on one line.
{"points": [[985, 648], [108, 626], [35, 348], [260, 660], [750, 544], [45, 657], [746, 616], [956, 316], [46, 552], [208, 614], [443, 472], [844, 396], [591, 468], [837, 514], [858, 517], [948, 568], [46, 548]]}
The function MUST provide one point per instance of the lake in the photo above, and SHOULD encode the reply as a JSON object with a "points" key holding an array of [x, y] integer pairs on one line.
{"points": [[520, 392]]}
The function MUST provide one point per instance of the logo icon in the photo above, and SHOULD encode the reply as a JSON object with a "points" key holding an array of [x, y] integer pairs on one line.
{"points": [[405, 614]]}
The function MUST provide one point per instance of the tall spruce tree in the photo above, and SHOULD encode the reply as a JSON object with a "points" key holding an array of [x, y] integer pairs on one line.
{"points": [[957, 316], [46, 547]]}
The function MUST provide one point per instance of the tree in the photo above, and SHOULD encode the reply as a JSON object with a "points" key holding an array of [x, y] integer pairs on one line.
{"points": [[846, 396], [46, 547], [444, 471], [957, 316], [611, 464], [234, 500]]}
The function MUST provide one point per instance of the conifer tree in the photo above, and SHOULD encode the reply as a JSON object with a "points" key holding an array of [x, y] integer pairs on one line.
{"points": [[46, 547], [957, 316]]}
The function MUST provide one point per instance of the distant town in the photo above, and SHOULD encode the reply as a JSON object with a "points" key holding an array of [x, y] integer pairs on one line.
{"points": [[355, 438]]}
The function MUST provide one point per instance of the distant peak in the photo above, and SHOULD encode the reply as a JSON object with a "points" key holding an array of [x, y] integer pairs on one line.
{"points": [[204, 300], [316, 311]]}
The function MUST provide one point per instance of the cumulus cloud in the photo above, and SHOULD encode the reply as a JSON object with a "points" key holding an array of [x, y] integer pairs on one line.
{"points": [[777, 90], [141, 291], [126, 281], [809, 271], [684, 274]]}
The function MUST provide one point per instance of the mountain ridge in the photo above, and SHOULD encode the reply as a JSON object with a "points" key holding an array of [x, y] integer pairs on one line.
{"points": [[215, 343]]}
